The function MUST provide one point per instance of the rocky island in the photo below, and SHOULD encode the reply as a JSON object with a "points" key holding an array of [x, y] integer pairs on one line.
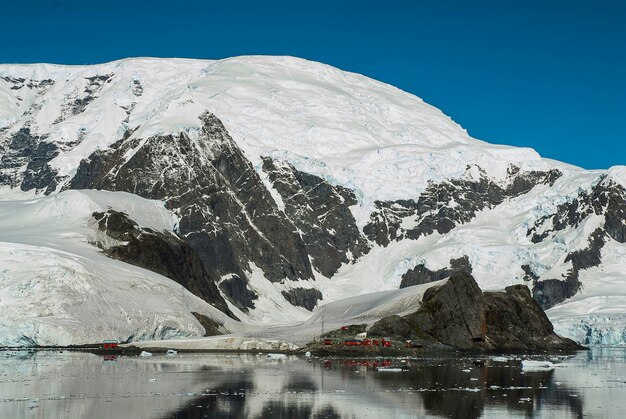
{"points": [[454, 315]]}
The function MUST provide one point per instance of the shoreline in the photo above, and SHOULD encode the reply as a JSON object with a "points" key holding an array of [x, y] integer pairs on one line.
{"points": [[317, 351]]}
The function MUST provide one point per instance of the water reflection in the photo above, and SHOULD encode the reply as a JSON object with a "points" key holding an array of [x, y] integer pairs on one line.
{"points": [[64, 384]]}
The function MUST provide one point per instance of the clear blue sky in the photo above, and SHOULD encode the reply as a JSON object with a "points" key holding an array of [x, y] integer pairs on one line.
{"points": [[548, 74]]}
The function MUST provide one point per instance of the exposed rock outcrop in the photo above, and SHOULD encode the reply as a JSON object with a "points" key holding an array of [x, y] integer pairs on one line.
{"points": [[322, 213], [392, 326], [226, 214], [26, 150], [211, 327], [160, 252], [453, 312], [303, 297], [457, 313], [550, 292], [422, 275], [445, 205], [606, 199]]}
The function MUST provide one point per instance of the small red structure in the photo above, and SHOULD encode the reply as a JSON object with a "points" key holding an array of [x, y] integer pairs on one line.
{"points": [[366, 342], [344, 328], [328, 341], [351, 342], [385, 342], [110, 344]]}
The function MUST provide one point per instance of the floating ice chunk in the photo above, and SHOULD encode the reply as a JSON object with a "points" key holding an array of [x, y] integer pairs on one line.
{"points": [[529, 365], [171, 352], [307, 354], [276, 356], [500, 359], [145, 354], [389, 369]]}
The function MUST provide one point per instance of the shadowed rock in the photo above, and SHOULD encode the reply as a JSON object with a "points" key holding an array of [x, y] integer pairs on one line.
{"points": [[550, 292], [160, 252], [321, 212], [455, 312], [211, 327], [303, 297], [226, 214], [392, 326], [422, 275], [445, 205], [452, 312]]}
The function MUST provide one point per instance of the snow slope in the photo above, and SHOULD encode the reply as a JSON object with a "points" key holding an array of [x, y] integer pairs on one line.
{"points": [[361, 309], [597, 315], [58, 289], [362, 133]]}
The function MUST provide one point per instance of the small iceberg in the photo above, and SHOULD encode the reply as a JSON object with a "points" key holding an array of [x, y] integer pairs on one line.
{"points": [[171, 352], [276, 356], [389, 369], [145, 354], [528, 365]]}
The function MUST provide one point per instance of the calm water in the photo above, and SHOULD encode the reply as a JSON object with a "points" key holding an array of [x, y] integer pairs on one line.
{"points": [[74, 385]]}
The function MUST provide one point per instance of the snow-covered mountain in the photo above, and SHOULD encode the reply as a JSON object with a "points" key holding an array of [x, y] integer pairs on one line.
{"points": [[258, 188]]}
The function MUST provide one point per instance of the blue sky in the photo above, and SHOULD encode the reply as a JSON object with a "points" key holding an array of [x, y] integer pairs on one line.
{"points": [[548, 74]]}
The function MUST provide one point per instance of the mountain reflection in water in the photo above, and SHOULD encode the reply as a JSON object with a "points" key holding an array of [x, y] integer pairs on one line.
{"points": [[69, 384]]}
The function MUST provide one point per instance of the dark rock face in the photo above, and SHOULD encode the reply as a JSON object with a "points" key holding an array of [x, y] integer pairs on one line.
{"points": [[606, 199], [453, 313], [321, 212], [516, 322], [237, 292], [17, 83], [550, 292], [160, 252], [211, 327], [458, 314], [422, 275], [443, 206], [529, 274], [303, 297], [394, 326], [590, 256], [226, 214], [78, 104], [39, 174], [24, 148]]}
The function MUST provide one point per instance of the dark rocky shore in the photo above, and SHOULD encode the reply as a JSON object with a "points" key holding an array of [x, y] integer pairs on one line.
{"points": [[455, 316]]}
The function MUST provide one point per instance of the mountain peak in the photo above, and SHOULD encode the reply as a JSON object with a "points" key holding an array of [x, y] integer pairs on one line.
{"points": [[347, 128]]}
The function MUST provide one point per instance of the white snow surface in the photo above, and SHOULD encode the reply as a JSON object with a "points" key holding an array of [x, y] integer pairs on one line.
{"points": [[353, 131], [366, 308], [58, 289], [596, 315], [358, 132]]}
